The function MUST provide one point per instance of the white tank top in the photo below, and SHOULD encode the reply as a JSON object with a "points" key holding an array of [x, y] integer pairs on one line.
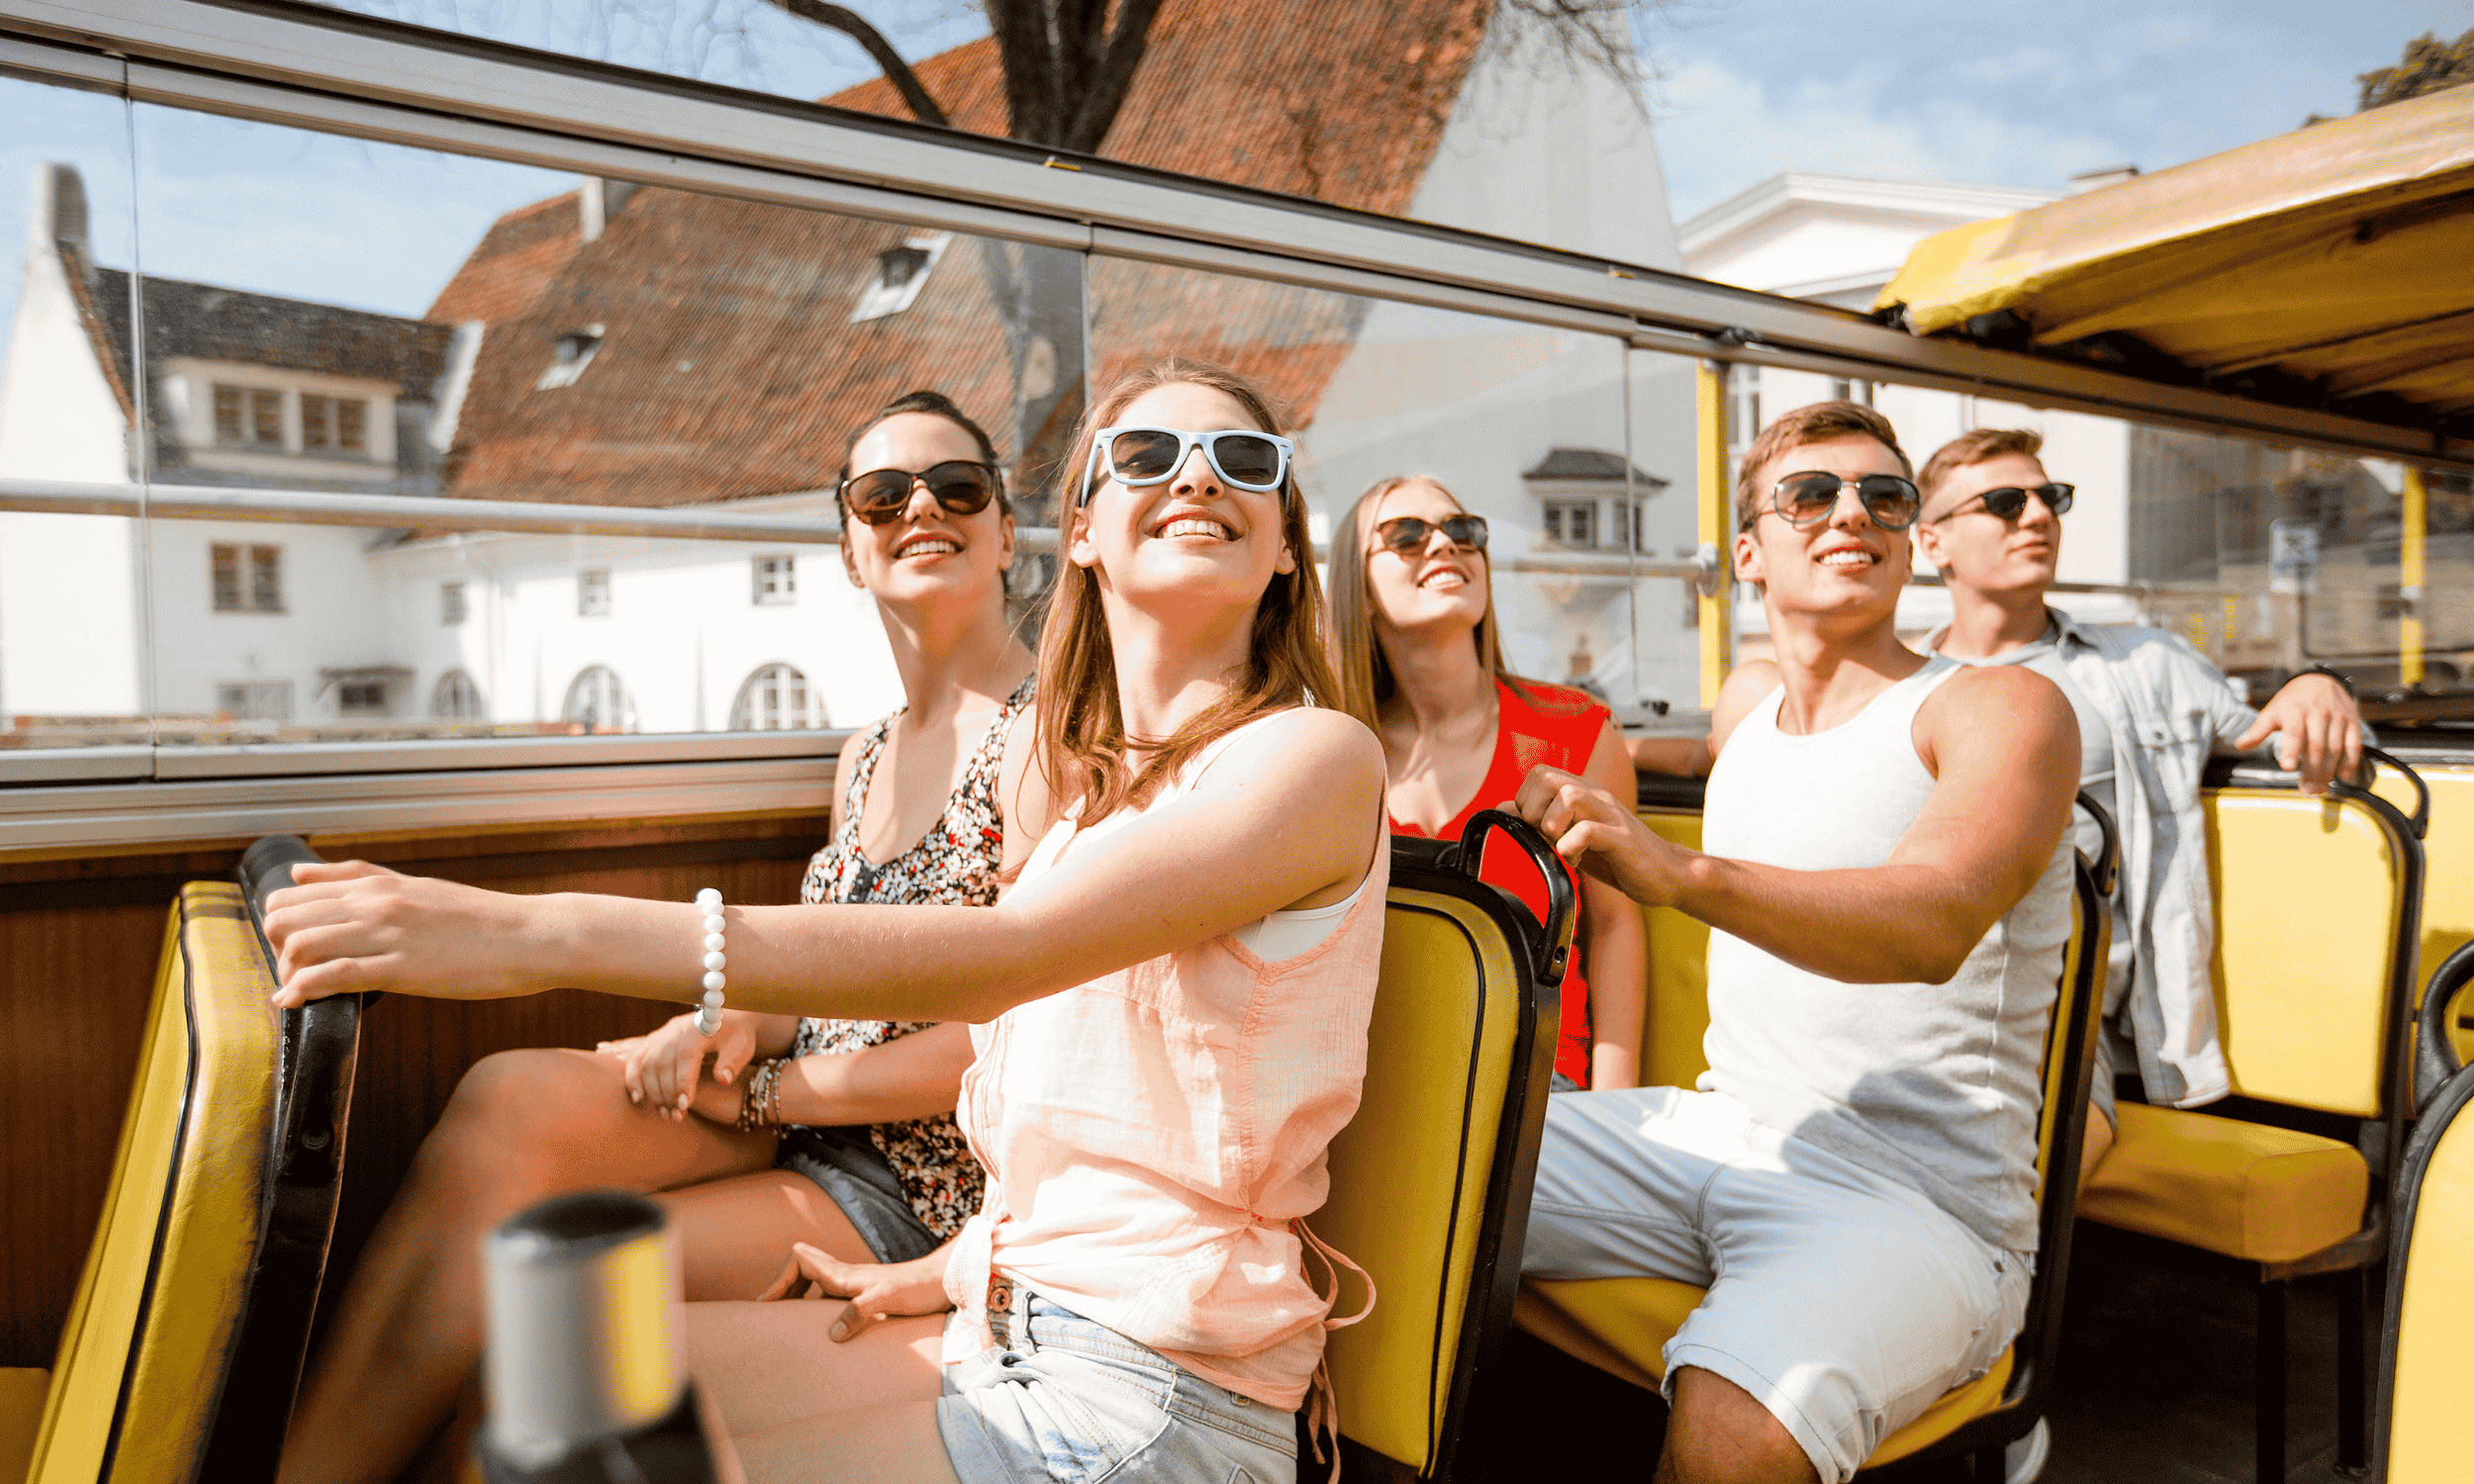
{"points": [[1937, 1086]]}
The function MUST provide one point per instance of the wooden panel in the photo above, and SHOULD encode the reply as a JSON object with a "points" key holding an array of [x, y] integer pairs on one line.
{"points": [[78, 940]]}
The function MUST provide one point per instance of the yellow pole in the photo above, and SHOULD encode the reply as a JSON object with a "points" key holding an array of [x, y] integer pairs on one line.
{"points": [[2409, 579], [1717, 510]]}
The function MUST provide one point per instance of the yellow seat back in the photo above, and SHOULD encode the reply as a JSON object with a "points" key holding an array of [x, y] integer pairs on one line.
{"points": [[2448, 873], [1676, 1015], [2427, 1365], [1430, 1181], [158, 1306], [2314, 902]]}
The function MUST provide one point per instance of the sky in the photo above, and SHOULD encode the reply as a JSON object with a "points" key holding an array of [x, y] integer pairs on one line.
{"points": [[1995, 92]]}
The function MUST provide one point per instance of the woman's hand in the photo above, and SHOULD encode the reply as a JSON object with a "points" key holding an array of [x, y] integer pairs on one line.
{"points": [[877, 1291], [663, 1068], [345, 927]]}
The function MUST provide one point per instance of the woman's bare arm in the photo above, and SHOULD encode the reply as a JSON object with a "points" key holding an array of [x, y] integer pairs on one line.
{"points": [[1287, 817]]}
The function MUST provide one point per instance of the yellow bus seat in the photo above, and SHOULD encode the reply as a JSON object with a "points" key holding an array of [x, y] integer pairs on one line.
{"points": [[2246, 1190], [2317, 906], [185, 1342], [1622, 1325], [2426, 1364], [1430, 1181], [1675, 1005], [22, 1390], [2449, 870]]}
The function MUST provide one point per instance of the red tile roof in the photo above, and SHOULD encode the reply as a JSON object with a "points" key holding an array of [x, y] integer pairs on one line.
{"points": [[728, 366]]}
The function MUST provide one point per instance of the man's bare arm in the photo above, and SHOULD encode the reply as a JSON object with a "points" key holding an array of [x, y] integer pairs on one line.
{"points": [[2003, 746]]}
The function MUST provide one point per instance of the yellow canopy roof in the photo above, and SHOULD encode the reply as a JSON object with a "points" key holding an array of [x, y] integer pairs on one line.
{"points": [[2335, 262]]}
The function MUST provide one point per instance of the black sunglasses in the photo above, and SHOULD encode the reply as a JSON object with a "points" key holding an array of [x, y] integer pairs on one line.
{"points": [[1808, 496], [2009, 502], [880, 496], [1408, 534]]}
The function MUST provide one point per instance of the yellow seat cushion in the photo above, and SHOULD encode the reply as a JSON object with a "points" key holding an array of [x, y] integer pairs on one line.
{"points": [[22, 1390], [2239, 1189], [1634, 1318]]}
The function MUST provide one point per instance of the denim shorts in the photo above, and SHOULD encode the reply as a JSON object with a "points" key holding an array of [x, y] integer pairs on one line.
{"points": [[1059, 1397]]}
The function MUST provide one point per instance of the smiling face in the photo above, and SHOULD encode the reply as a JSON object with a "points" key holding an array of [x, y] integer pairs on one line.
{"points": [[931, 554], [1977, 549], [1438, 586], [1844, 566], [1192, 535]]}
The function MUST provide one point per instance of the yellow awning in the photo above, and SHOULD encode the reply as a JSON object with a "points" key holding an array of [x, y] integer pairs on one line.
{"points": [[2338, 257]]}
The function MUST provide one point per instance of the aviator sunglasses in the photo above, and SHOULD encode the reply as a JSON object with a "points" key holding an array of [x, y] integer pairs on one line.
{"points": [[1139, 456], [880, 496], [1807, 497], [1407, 534], [2009, 502]]}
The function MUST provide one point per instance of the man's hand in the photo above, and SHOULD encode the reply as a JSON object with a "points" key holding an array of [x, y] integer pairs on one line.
{"points": [[1601, 835], [2318, 729], [663, 1068], [877, 1291]]}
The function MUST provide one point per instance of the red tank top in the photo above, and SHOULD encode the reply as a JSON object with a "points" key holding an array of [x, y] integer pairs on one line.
{"points": [[1559, 728]]}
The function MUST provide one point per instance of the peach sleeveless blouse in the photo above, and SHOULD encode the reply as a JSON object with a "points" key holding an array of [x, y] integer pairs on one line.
{"points": [[1155, 1139]]}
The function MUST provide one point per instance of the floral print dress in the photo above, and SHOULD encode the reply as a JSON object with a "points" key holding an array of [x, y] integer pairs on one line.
{"points": [[953, 864]]}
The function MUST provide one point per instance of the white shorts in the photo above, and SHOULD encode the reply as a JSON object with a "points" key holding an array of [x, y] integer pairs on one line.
{"points": [[1841, 1300]]}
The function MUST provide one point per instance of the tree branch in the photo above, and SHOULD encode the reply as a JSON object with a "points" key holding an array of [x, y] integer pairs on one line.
{"points": [[1114, 78], [897, 71]]}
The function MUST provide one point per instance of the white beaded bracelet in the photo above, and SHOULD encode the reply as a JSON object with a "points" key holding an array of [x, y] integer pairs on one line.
{"points": [[709, 1014]]}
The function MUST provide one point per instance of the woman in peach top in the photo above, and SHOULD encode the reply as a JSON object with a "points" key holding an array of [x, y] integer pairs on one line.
{"points": [[1169, 1011]]}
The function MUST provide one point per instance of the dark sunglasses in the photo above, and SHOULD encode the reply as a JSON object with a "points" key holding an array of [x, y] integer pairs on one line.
{"points": [[1807, 497], [880, 496], [2009, 502], [1408, 534], [1139, 456]]}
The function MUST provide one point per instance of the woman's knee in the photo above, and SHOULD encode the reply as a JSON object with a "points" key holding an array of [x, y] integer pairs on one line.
{"points": [[517, 1105]]}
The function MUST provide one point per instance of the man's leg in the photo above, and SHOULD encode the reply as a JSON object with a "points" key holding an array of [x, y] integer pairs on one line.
{"points": [[1717, 1433]]}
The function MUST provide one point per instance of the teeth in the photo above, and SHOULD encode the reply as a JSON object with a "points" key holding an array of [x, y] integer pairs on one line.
{"points": [[929, 546], [1847, 559], [1193, 526], [1444, 579]]}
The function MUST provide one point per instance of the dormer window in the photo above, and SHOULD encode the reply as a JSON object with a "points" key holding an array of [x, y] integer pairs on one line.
{"points": [[248, 416], [1591, 498], [570, 354], [338, 423], [901, 272]]}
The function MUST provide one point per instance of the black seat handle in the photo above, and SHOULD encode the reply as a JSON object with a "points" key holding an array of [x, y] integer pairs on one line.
{"points": [[2420, 821], [266, 869], [2435, 1053], [1561, 904], [2106, 868]]}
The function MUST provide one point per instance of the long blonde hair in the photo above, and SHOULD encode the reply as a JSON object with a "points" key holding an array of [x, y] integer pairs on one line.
{"points": [[1081, 739], [1366, 679]]}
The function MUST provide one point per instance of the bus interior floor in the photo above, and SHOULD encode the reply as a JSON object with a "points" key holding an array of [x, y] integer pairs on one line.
{"points": [[2154, 1385]]}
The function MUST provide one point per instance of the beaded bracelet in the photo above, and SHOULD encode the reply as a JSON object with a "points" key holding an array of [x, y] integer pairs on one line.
{"points": [[708, 1013], [760, 1097]]}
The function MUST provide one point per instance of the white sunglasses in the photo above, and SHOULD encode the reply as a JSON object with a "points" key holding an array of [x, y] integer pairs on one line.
{"points": [[1139, 456]]}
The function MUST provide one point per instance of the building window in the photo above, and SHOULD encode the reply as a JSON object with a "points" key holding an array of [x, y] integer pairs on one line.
{"points": [[452, 609], [598, 701], [570, 354], [1857, 390], [362, 698], [254, 700], [250, 417], [593, 592], [335, 422], [457, 698], [248, 579], [774, 700], [1744, 411], [1572, 523], [901, 272], [775, 579]]}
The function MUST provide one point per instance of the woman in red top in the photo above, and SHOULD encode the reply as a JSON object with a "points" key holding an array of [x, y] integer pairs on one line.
{"points": [[1413, 623]]}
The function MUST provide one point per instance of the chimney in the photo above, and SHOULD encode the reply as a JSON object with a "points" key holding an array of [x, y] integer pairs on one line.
{"points": [[2097, 180], [59, 216], [599, 200]]}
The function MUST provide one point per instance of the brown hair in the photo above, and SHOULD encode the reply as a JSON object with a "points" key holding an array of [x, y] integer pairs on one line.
{"points": [[1366, 681], [1975, 446], [1814, 423], [1081, 738], [930, 403]]}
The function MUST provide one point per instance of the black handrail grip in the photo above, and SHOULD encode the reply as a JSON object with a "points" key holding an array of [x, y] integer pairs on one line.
{"points": [[1562, 914], [2434, 1051], [2420, 821], [2107, 868]]}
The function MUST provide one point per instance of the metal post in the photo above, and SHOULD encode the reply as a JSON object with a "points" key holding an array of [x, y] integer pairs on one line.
{"points": [[2409, 579], [1717, 599]]}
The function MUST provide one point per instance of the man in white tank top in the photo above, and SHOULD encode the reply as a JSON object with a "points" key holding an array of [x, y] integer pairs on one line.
{"points": [[2151, 711], [1888, 889]]}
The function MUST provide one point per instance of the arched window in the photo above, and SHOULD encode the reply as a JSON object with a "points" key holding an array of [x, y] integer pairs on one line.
{"points": [[457, 698], [598, 701], [775, 699]]}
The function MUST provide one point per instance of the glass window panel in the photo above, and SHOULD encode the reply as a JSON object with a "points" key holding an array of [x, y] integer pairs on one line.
{"points": [[400, 311]]}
